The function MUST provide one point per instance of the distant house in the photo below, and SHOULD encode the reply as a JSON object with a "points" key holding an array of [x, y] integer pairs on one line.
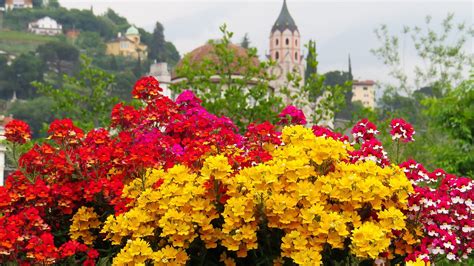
{"points": [[45, 26], [11, 4], [364, 92], [72, 34], [127, 45]]}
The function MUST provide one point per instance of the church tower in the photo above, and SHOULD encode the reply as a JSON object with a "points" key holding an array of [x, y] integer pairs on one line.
{"points": [[285, 48], [285, 44]]}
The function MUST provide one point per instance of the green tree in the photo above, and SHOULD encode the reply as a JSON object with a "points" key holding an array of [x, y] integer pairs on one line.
{"points": [[311, 65], [453, 115], [157, 46], [54, 4], [240, 86], [91, 43], [423, 100], [159, 49], [60, 57], [37, 3], [18, 77], [443, 53], [86, 98], [324, 100]]}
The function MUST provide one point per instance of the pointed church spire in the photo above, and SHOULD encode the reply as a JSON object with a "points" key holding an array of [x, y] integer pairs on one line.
{"points": [[284, 20], [350, 69]]}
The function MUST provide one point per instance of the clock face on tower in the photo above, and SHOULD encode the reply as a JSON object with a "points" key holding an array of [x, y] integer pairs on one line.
{"points": [[277, 71]]}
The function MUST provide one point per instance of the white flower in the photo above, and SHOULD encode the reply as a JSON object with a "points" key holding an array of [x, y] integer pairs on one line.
{"points": [[438, 250], [451, 256]]}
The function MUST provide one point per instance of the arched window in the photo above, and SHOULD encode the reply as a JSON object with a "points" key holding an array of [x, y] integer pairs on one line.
{"points": [[296, 56], [296, 42], [276, 55], [276, 42], [287, 41]]}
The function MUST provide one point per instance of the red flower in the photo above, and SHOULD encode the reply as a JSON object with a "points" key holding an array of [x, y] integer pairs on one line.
{"points": [[146, 88], [401, 130], [64, 131], [17, 131], [364, 130]]}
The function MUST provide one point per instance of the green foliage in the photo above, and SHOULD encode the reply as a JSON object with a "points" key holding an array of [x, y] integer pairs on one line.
{"points": [[453, 115], [86, 98], [442, 116], [91, 43], [231, 84], [323, 99], [442, 52], [37, 113], [60, 57], [83, 20], [16, 43], [159, 49], [18, 76]]}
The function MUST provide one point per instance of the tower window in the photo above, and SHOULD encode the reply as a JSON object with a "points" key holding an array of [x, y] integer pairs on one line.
{"points": [[296, 42], [287, 41], [276, 55], [276, 41], [296, 56]]}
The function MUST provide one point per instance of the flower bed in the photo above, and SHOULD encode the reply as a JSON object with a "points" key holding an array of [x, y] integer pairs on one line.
{"points": [[170, 183]]}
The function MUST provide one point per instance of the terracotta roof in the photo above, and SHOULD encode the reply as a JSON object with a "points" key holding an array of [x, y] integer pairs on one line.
{"points": [[207, 52], [363, 82]]}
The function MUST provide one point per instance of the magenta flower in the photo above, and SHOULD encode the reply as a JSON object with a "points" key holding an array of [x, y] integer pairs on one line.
{"points": [[292, 115]]}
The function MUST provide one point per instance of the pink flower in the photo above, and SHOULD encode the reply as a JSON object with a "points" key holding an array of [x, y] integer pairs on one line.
{"points": [[292, 115]]}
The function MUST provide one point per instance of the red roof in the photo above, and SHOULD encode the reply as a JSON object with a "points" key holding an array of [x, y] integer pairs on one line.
{"points": [[363, 82]]}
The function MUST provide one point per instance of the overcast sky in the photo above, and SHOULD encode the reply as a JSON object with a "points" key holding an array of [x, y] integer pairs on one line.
{"points": [[339, 27]]}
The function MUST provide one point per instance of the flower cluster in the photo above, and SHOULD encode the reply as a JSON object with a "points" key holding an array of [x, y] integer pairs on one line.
{"points": [[146, 88], [292, 115], [307, 189], [83, 221], [171, 183], [364, 133], [401, 130], [17, 131], [444, 213], [364, 130]]}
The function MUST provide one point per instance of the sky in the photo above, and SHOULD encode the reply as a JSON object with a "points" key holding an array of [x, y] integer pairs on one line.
{"points": [[339, 28]]}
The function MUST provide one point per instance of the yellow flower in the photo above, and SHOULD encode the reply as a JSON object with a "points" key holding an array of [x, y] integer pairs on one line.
{"points": [[392, 218], [83, 221], [136, 251], [418, 262], [369, 240]]}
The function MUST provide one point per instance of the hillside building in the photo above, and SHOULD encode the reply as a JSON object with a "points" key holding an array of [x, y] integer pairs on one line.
{"points": [[45, 26], [12, 4], [128, 45], [364, 92]]}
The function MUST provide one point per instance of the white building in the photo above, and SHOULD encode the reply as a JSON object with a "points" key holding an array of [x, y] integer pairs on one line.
{"points": [[45, 26], [162, 74], [364, 92]]}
